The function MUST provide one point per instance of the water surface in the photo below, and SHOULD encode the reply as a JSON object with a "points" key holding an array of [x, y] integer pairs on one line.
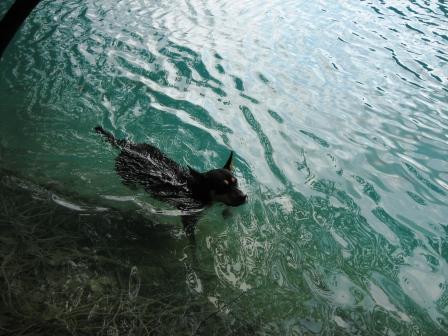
{"points": [[337, 112]]}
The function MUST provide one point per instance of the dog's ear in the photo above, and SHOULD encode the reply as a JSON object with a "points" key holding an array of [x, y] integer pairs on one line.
{"points": [[195, 174], [228, 164]]}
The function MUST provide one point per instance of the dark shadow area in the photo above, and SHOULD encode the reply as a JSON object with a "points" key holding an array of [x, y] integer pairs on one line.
{"points": [[13, 19], [66, 272]]}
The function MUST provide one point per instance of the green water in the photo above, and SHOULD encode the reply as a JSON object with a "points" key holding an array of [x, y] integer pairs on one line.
{"points": [[337, 112]]}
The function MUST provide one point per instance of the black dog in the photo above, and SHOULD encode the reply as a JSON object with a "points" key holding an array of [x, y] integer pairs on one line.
{"points": [[186, 189]]}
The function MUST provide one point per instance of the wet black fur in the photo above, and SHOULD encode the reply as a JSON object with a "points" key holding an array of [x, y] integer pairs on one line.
{"points": [[185, 188]]}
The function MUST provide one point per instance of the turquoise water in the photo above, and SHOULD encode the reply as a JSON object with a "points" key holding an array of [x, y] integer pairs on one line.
{"points": [[337, 112]]}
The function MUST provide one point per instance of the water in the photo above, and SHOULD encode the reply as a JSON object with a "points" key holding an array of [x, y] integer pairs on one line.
{"points": [[337, 112]]}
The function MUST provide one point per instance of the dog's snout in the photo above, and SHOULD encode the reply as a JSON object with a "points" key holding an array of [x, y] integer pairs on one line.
{"points": [[242, 198], [236, 198]]}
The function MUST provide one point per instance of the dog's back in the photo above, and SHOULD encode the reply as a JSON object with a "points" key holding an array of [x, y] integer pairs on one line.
{"points": [[145, 165]]}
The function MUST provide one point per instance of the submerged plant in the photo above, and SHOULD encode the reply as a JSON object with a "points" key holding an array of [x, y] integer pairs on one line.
{"points": [[88, 273]]}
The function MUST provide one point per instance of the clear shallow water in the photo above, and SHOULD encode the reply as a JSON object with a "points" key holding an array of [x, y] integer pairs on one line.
{"points": [[338, 113]]}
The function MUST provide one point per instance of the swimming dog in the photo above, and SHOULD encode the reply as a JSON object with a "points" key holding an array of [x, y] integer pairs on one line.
{"points": [[186, 189]]}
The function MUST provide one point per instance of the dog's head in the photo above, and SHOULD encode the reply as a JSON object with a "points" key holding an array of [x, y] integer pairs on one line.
{"points": [[219, 185]]}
